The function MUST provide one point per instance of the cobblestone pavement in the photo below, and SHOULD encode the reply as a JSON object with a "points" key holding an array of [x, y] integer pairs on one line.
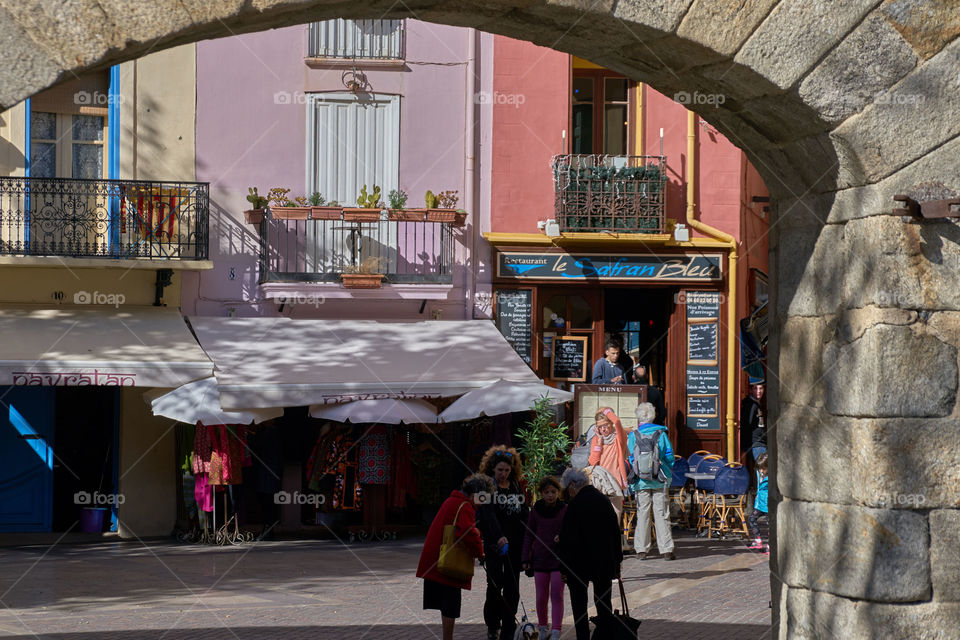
{"points": [[321, 590]]}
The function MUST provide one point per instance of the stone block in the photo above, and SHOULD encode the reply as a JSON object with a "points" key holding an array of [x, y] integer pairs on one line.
{"points": [[663, 15], [796, 35], [73, 33], [945, 554], [811, 263], [818, 161], [802, 341], [927, 26], [880, 374], [852, 323], [872, 554], [781, 119], [905, 122], [723, 25], [813, 446], [27, 68], [816, 615], [868, 61]]}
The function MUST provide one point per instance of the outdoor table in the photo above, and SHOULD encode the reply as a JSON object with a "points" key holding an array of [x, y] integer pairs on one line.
{"points": [[700, 497]]}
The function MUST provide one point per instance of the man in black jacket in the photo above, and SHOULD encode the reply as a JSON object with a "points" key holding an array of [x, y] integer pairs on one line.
{"points": [[590, 549]]}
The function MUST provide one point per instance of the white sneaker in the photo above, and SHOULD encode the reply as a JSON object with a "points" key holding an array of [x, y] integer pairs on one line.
{"points": [[554, 635]]}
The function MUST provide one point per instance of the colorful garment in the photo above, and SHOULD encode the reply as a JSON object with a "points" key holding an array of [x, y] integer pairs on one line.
{"points": [[374, 457]]}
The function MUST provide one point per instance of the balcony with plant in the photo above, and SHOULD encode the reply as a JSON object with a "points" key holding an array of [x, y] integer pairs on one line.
{"points": [[623, 194]]}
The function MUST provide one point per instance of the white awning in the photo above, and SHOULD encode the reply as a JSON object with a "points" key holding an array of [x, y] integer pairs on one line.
{"points": [[281, 362], [98, 346]]}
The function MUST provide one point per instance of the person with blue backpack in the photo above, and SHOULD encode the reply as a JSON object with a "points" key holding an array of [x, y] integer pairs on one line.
{"points": [[651, 468]]}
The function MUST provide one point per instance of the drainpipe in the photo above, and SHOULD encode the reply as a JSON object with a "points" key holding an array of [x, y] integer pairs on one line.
{"points": [[469, 173], [731, 242]]}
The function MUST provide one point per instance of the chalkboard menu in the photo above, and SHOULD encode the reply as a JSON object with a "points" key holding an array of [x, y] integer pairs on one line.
{"points": [[569, 361], [515, 319], [703, 359], [702, 341]]}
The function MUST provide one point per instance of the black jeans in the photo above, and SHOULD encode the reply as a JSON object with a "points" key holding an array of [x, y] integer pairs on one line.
{"points": [[753, 524], [578, 602], [503, 584]]}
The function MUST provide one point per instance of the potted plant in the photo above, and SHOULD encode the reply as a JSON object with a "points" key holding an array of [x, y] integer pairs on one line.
{"points": [[442, 207], [259, 204], [398, 208], [283, 208], [320, 209], [545, 443], [368, 207], [366, 275]]}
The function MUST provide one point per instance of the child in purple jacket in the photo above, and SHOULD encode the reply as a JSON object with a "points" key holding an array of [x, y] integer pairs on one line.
{"points": [[540, 554]]}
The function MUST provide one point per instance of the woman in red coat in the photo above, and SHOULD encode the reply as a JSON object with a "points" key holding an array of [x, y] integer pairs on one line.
{"points": [[440, 591]]}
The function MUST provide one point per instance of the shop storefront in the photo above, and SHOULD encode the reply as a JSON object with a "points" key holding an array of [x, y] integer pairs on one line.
{"points": [[668, 309]]}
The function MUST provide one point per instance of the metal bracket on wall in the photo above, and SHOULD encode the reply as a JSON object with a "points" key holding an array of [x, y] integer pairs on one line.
{"points": [[164, 279], [930, 210]]}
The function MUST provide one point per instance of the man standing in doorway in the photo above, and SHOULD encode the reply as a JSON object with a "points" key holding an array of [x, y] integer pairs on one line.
{"points": [[609, 369], [753, 430]]}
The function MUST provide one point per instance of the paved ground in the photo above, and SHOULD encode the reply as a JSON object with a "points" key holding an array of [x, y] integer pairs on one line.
{"points": [[321, 590]]}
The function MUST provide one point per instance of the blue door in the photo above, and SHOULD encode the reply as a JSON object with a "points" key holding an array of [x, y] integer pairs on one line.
{"points": [[26, 458]]}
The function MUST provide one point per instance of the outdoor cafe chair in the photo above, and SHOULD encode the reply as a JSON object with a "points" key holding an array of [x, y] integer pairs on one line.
{"points": [[727, 501]]}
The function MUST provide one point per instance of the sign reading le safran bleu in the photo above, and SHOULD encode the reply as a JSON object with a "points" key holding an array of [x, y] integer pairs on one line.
{"points": [[588, 266]]}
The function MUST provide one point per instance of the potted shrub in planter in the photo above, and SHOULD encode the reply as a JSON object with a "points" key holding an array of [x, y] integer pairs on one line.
{"points": [[320, 209], [259, 204], [442, 207], [368, 207], [398, 208], [283, 208], [365, 275]]}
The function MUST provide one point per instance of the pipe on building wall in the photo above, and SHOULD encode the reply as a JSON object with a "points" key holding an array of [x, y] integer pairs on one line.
{"points": [[470, 170], [731, 243]]}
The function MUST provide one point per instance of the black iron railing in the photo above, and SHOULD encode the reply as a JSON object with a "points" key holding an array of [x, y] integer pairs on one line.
{"points": [[320, 250], [625, 194], [104, 218]]}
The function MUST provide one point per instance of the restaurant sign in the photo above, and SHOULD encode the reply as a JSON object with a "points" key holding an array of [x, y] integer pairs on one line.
{"points": [[589, 266]]}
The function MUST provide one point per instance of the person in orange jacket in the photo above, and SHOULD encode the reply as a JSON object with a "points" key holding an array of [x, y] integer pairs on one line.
{"points": [[609, 450], [440, 591]]}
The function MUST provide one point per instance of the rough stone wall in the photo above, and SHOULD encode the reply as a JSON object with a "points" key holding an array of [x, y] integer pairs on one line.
{"points": [[840, 105]]}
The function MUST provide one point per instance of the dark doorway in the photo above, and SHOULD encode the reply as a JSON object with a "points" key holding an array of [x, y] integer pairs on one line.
{"points": [[641, 318], [84, 425]]}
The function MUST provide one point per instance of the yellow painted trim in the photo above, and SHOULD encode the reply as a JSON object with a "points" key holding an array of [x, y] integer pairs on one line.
{"points": [[638, 121], [625, 239], [731, 243], [580, 63]]}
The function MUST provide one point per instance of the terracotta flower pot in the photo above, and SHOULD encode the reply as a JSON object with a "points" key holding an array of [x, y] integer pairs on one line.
{"points": [[360, 214], [441, 215], [290, 213], [326, 213], [254, 216], [407, 215], [361, 280]]}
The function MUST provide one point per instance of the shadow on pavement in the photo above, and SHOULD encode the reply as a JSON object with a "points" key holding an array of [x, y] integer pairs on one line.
{"points": [[649, 628]]}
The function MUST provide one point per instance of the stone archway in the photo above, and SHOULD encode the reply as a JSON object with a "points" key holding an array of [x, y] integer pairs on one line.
{"points": [[840, 106]]}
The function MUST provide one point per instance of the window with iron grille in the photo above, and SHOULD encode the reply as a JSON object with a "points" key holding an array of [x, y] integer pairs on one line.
{"points": [[366, 39]]}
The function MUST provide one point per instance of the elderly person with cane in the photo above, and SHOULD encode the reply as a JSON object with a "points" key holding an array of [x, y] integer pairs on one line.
{"points": [[589, 549]]}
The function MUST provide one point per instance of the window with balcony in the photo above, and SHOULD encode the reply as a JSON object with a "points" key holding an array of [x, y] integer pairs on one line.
{"points": [[599, 112], [356, 39]]}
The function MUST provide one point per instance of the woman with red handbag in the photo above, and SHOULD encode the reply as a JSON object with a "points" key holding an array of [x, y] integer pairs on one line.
{"points": [[442, 590]]}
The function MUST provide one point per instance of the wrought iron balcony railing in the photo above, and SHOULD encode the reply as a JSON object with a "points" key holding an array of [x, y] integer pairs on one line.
{"points": [[626, 194], [320, 250], [78, 218]]}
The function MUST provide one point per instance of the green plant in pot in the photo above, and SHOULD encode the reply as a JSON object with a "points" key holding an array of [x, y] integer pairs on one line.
{"points": [[398, 199], [546, 443], [369, 200], [258, 203]]}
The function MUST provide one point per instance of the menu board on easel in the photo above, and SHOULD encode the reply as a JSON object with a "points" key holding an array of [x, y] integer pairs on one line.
{"points": [[569, 360], [515, 320], [703, 360]]}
